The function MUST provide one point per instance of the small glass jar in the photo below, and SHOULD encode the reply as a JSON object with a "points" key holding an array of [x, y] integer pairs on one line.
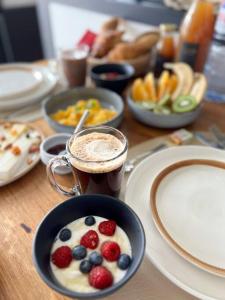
{"points": [[166, 47]]}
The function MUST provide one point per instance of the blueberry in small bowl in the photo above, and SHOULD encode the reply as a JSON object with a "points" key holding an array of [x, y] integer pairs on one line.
{"points": [[89, 246], [114, 77]]}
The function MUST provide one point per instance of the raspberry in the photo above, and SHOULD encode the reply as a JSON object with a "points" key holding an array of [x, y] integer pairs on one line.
{"points": [[62, 257], [107, 227], [110, 251], [90, 239], [100, 278]]}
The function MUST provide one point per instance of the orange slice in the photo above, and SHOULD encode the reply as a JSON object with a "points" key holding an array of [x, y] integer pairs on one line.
{"points": [[163, 84], [150, 86], [138, 91]]}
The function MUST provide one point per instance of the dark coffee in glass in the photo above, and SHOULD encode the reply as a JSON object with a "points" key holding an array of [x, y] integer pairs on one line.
{"points": [[96, 156]]}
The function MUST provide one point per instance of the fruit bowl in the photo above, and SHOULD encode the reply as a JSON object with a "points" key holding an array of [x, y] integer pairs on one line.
{"points": [[173, 120], [108, 99], [73, 209], [173, 100]]}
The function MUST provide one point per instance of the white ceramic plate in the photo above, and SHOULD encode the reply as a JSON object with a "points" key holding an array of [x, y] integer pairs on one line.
{"points": [[16, 80], [188, 208], [182, 273], [25, 167], [48, 83]]}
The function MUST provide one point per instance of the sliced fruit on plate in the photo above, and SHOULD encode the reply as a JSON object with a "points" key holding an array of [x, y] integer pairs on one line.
{"points": [[163, 110], [184, 104], [164, 100], [149, 105], [199, 87], [172, 84], [139, 92], [150, 86], [163, 84], [185, 77]]}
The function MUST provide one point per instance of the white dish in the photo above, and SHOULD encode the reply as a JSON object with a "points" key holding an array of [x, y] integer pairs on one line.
{"points": [[46, 86], [182, 273], [17, 80], [56, 139], [190, 213], [25, 167]]}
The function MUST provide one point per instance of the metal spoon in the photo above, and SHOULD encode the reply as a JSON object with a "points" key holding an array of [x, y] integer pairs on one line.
{"points": [[81, 122], [78, 127]]}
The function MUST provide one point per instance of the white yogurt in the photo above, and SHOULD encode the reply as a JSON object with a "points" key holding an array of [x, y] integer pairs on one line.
{"points": [[71, 277]]}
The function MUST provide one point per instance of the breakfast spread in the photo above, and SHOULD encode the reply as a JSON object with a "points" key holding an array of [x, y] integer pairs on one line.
{"points": [[90, 254], [177, 90], [17, 144], [72, 114]]}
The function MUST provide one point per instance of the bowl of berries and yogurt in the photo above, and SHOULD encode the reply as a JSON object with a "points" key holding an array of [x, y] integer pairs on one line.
{"points": [[89, 246]]}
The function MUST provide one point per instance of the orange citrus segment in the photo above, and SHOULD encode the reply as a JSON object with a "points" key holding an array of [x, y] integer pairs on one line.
{"points": [[149, 82], [163, 84], [138, 90]]}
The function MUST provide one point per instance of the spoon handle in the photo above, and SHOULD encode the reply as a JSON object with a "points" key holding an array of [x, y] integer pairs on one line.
{"points": [[82, 120]]}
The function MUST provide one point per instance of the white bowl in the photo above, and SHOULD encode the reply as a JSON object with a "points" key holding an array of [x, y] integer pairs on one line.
{"points": [[57, 139]]}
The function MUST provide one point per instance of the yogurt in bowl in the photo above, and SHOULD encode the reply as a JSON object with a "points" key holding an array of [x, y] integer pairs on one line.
{"points": [[90, 254], [116, 253]]}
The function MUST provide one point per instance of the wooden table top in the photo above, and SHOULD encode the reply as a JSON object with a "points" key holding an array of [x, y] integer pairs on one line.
{"points": [[25, 202]]}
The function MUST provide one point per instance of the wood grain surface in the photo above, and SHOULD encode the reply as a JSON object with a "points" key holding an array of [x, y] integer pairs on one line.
{"points": [[25, 202]]}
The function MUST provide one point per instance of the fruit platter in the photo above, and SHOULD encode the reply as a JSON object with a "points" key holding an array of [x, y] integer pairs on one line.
{"points": [[171, 101]]}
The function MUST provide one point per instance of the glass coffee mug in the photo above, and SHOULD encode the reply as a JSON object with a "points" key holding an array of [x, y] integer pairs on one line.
{"points": [[96, 157]]}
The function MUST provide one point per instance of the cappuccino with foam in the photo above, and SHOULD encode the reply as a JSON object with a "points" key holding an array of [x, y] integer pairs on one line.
{"points": [[98, 160]]}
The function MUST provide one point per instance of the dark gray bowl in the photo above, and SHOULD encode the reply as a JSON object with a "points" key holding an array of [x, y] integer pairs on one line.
{"points": [[77, 207], [107, 98], [162, 121], [117, 85]]}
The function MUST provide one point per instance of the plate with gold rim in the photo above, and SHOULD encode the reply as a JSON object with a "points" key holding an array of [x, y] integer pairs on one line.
{"points": [[181, 272], [188, 208]]}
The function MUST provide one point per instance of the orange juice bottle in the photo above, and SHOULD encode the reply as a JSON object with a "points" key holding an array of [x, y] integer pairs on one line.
{"points": [[196, 33]]}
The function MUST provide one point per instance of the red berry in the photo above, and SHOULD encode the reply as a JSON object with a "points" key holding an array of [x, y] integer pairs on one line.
{"points": [[62, 257], [90, 239], [110, 251], [107, 227], [100, 278]]}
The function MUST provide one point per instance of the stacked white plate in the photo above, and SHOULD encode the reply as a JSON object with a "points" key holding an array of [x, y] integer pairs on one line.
{"points": [[179, 194], [24, 84]]}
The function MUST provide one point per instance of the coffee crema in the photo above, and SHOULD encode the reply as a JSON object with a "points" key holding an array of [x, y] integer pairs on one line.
{"points": [[97, 153]]}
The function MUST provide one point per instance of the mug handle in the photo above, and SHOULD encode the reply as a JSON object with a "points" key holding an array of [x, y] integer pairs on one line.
{"points": [[61, 161]]}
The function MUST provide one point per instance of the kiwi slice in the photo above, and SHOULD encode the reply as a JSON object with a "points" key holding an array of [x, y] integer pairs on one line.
{"points": [[146, 105], [164, 100], [162, 110], [184, 104]]}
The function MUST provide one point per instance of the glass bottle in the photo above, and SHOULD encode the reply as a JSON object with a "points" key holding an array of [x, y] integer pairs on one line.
{"points": [[166, 47], [196, 33]]}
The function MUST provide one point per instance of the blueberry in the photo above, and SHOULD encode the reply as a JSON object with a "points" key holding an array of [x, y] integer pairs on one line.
{"points": [[85, 266], [65, 234], [95, 258], [79, 252], [124, 261], [89, 221]]}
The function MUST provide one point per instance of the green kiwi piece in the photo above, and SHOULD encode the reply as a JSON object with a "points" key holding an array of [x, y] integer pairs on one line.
{"points": [[184, 104], [146, 105], [164, 100], [162, 110]]}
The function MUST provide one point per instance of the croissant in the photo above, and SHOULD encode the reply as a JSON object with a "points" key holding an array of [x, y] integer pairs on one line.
{"points": [[105, 42], [126, 51], [111, 24]]}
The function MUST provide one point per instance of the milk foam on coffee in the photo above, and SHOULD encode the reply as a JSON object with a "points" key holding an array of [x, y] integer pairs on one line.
{"points": [[98, 152]]}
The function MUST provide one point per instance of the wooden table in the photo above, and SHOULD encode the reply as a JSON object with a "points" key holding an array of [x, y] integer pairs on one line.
{"points": [[24, 203]]}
